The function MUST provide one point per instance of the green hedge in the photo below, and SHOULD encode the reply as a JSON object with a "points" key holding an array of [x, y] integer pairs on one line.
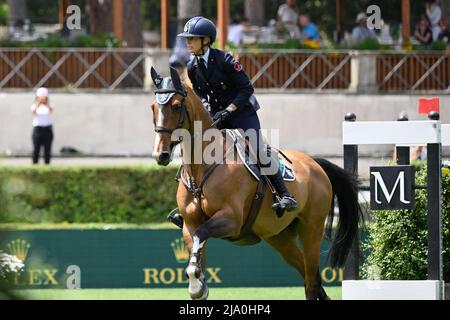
{"points": [[126, 194], [397, 240], [57, 41]]}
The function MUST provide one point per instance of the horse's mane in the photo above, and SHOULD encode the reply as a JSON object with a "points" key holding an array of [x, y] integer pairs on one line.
{"points": [[193, 99]]}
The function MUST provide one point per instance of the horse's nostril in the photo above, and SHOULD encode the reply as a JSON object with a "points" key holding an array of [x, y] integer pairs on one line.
{"points": [[164, 157]]}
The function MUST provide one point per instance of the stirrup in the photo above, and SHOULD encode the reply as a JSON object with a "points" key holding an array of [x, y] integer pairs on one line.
{"points": [[175, 217], [286, 203]]}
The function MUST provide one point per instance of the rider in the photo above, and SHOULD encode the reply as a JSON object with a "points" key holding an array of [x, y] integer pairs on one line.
{"points": [[226, 91]]}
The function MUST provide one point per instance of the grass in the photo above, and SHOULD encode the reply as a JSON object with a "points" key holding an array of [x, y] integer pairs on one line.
{"points": [[86, 226], [272, 293]]}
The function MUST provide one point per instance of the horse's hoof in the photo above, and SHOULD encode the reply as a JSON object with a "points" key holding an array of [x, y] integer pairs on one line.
{"points": [[205, 294], [201, 294]]}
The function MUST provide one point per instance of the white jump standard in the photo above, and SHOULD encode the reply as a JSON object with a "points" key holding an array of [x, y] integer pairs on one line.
{"points": [[402, 134]]}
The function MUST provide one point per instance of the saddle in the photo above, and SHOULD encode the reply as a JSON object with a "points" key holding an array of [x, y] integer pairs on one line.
{"points": [[244, 151]]}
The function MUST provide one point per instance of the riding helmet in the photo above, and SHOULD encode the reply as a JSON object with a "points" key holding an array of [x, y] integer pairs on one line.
{"points": [[199, 27]]}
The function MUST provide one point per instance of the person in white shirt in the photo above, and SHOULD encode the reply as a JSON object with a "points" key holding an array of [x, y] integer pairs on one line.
{"points": [[361, 31], [434, 14], [42, 126], [237, 29], [287, 16]]}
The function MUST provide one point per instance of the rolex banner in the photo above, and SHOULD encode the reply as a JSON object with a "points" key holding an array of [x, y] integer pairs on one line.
{"points": [[143, 259]]}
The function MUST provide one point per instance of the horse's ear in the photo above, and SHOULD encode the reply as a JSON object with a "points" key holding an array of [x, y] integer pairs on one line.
{"points": [[176, 80], [156, 78]]}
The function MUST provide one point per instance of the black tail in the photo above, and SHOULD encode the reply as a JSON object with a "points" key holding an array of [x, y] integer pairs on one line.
{"points": [[345, 188]]}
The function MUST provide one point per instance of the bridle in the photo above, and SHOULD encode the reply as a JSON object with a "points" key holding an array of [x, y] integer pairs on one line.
{"points": [[183, 111]]}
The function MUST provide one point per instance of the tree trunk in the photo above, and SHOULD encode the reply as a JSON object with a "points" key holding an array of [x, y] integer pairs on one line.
{"points": [[186, 9], [255, 12], [132, 23], [100, 16], [445, 6], [132, 29], [17, 12], [189, 8]]}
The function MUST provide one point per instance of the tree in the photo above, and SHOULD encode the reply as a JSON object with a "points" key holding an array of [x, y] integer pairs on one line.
{"points": [[186, 9], [189, 8], [17, 12], [255, 12], [132, 23], [100, 16], [445, 4]]}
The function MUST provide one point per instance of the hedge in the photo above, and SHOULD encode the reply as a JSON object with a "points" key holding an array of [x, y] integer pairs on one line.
{"points": [[397, 240], [57, 41], [126, 194]]}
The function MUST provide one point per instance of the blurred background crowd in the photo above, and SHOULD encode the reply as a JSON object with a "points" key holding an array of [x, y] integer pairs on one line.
{"points": [[253, 23]]}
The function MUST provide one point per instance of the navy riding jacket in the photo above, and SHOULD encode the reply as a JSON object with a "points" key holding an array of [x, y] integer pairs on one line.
{"points": [[224, 83]]}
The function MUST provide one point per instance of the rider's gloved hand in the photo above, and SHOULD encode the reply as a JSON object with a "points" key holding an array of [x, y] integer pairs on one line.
{"points": [[222, 115]]}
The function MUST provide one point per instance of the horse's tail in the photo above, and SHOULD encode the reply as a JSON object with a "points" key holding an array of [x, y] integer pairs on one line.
{"points": [[345, 189]]}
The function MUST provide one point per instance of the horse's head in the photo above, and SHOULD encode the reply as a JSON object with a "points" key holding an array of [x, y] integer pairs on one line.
{"points": [[169, 113]]}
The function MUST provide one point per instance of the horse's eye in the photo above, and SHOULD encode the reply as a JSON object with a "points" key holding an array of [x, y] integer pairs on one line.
{"points": [[176, 106]]}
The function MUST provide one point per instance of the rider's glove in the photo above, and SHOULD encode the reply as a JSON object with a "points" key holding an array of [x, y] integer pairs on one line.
{"points": [[222, 115]]}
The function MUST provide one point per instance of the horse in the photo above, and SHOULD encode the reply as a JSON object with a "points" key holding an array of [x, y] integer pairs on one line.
{"points": [[220, 207]]}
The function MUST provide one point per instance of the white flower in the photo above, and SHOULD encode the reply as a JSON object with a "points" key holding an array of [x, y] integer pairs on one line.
{"points": [[9, 264]]}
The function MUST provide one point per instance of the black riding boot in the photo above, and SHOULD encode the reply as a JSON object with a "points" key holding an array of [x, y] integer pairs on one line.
{"points": [[287, 201], [176, 218]]}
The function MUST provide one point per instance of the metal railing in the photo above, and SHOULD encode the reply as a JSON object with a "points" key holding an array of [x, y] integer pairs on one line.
{"points": [[276, 70]]}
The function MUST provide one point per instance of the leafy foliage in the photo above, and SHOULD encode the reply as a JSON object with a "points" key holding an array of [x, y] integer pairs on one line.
{"points": [[3, 12], [127, 194], [367, 44], [397, 240], [439, 45], [56, 41]]}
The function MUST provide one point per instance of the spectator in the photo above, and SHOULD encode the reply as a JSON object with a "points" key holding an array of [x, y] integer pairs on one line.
{"points": [[309, 29], [42, 126], [287, 17], [434, 14], [423, 32], [418, 153], [361, 31], [444, 35], [237, 30]]}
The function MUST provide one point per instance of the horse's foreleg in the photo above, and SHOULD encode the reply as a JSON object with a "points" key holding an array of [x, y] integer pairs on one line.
{"points": [[220, 225]]}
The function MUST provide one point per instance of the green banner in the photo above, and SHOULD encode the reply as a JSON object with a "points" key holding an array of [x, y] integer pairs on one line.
{"points": [[144, 259]]}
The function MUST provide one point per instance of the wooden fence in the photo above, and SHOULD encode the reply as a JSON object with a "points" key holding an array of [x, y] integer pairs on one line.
{"points": [[278, 70]]}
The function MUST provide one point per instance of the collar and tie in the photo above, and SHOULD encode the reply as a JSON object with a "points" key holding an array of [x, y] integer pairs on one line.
{"points": [[202, 65]]}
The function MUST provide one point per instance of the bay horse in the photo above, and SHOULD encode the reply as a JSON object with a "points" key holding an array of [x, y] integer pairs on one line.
{"points": [[221, 207]]}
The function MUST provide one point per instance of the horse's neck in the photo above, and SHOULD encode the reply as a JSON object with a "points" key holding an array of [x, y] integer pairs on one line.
{"points": [[200, 121]]}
